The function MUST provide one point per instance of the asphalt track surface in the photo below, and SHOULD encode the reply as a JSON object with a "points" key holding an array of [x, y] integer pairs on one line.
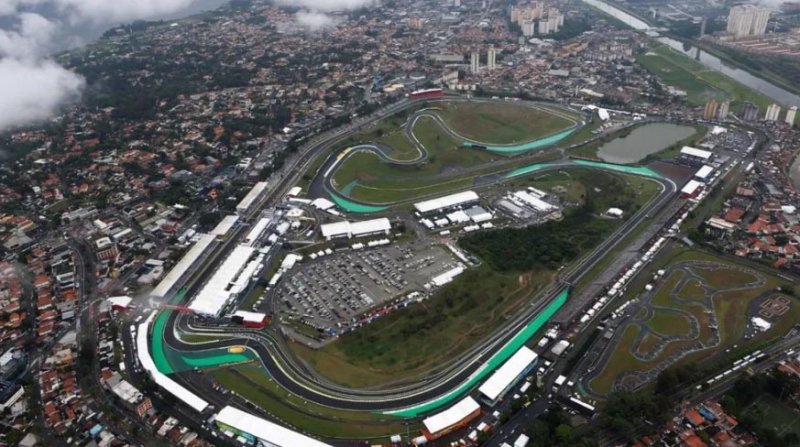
{"points": [[302, 383]]}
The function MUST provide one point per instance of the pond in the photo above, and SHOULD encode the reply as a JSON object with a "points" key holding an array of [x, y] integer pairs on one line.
{"points": [[643, 141]]}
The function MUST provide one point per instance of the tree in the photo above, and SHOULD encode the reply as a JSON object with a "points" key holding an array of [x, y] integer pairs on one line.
{"points": [[563, 433]]}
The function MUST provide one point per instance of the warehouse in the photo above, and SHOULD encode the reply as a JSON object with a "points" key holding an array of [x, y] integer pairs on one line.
{"points": [[508, 375], [455, 417], [533, 202], [245, 206], [356, 229], [195, 254], [446, 202], [219, 291], [253, 428]]}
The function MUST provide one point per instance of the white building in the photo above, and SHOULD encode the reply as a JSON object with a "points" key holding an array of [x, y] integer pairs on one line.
{"points": [[475, 62], [356, 229], [790, 115], [251, 198], [747, 20], [449, 201], [491, 58], [773, 112]]}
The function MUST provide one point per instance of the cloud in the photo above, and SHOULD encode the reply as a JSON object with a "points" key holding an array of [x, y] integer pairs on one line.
{"points": [[115, 11], [31, 39], [32, 86], [33, 91], [314, 21], [327, 5]]}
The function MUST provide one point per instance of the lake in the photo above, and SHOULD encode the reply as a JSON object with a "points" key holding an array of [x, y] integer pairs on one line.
{"points": [[643, 141]]}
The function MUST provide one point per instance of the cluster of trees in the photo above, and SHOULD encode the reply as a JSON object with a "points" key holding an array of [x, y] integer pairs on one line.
{"points": [[747, 390], [540, 246]]}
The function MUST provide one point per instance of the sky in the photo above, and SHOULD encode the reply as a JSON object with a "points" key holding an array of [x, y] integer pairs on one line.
{"points": [[34, 88]]}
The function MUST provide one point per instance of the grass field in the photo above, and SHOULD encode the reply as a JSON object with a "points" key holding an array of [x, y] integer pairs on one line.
{"points": [[469, 308], [730, 308], [450, 166], [699, 82], [254, 384], [460, 314], [503, 122], [775, 414]]}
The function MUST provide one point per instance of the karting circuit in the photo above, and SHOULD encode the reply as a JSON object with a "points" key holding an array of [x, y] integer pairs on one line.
{"points": [[449, 157]]}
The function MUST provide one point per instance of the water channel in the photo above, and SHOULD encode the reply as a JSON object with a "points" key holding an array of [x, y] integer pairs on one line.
{"points": [[774, 92]]}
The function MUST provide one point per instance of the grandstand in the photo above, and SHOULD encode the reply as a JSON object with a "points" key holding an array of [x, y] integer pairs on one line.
{"points": [[455, 417], [507, 375], [232, 276], [237, 422], [176, 275], [169, 385]]}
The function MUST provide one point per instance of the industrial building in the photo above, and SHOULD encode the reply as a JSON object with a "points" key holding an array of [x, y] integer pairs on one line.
{"points": [[236, 422], [346, 229], [520, 364], [231, 279], [252, 198], [455, 417], [446, 202], [176, 276]]}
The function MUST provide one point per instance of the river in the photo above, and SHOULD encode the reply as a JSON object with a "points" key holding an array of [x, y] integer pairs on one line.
{"points": [[768, 89], [643, 141]]}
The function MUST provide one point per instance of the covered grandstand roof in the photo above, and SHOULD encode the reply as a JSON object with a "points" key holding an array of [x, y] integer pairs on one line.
{"points": [[216, 292], [225, 225], [452, 416], [169, 385], [446, 201], [356, 229], [251, 196], [166, 284], [699, 153], [257, 229], [704, 172], [265, 430], [507, 374], [254, 317]]}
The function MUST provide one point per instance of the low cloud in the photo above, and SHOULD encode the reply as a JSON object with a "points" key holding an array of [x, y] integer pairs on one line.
{"points": [[33, 91], [314, 21], [328, 5], [32, 86]]}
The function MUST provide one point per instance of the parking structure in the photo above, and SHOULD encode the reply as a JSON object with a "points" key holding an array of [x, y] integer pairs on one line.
{"points": [[333, 291]]}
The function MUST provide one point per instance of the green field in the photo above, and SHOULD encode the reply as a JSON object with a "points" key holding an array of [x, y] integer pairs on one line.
{"points": [[473, 305], [699, 82], [730, 308], [450, 165], [775, 415], [504, 122], [253, 383], [462, 313]]}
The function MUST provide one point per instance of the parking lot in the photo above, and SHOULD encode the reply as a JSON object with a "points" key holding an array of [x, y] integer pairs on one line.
{"points": [[337, 288]]}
